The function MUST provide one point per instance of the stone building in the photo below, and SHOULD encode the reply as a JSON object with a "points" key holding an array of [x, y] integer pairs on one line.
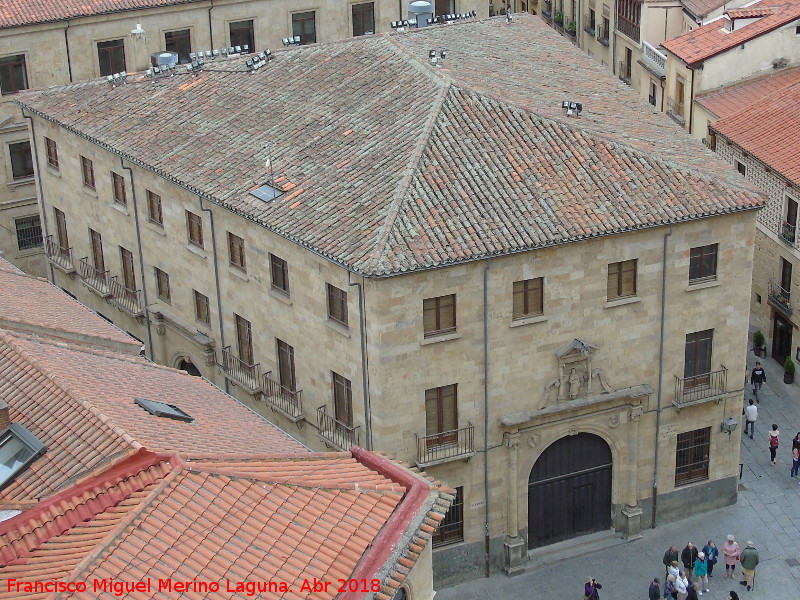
{"points": [[536, 302], [55, 42]]}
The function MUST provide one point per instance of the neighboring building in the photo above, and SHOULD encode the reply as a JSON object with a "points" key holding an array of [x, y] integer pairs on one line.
{"points": [[119, 472], [55, 42], [434, 258], [744, 43], [757, 133]]}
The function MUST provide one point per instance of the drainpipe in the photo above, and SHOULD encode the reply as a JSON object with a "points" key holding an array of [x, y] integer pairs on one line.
{"points": [[362, 323], [660, 371], [141, 258], [691, 102], [486, 415], [216, 281], [41, 190], [400, 9], [210, 30], [66, 43]]}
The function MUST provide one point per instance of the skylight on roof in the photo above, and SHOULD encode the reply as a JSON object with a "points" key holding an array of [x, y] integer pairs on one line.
{"points": [[162, 409], [18, 449], [266, 192]]}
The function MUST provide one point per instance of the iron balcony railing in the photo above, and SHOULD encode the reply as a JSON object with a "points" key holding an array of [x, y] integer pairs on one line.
{"points": [[624, 72], [691, 390], [627, 27], [128, 300], [240, 371], [780, 298], [287, 401], [788, 232], [60, 257], [675, 108], [588, 25], [97, 281], [457, 444], [655, 59], [602, 35], [335, 432]]}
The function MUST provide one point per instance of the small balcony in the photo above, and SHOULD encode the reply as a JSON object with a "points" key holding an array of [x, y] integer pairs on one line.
{"points": [[629, 28], [602, 35], [283, 400], [654, 60], [97, 281], [675, 109], [438, 448], [59, 257], [335, 433], [240, 372], [779, 298], [128, 300], [701, 388], [788, 233], [624, 72]]}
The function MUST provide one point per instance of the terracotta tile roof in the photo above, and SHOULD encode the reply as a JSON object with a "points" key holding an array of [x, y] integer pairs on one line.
{"points": [[702, 8], [768, 130], [394, 165], [155, 517], [31, 303], [80, 404], [15, 13], [709, 40], [729, 100], [750, 13]]}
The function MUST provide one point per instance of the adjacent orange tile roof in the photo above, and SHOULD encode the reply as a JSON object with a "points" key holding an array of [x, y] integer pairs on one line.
{"points": [[31, 303], [709, 40], [158, 517], [729, 100], [768, 130], [79, 403], [750, 13], [396, 165], [702, 8]]}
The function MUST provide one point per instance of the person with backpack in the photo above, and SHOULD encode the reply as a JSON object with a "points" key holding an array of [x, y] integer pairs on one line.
{"points": [[774, 442]]}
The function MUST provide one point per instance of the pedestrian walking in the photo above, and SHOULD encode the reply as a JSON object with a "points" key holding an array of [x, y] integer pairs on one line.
{"points": [[654, 592], [796, 441], [774, 442], [701, 573], [757, 378], [749, 560], [590, 590], [750, 416], [730, 550], [670, 555], [733, 595], [712, 552], [688, 556], [795, 461], [681, 586]]}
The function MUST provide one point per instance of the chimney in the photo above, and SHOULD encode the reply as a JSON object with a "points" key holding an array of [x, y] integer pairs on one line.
{"points": [[5, 420]]}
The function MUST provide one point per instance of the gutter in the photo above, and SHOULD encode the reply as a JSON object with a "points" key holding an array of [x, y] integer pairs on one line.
{"points": [[362, 323], [486, 536], [66, 43], [691, 102], [220, 313], [211, 30]]}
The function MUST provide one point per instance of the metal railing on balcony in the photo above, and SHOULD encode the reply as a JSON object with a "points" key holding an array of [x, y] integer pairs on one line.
{"points": [[334, 432], [128, 300], [60, 257], [780, 298], [289, 402], [602, 35], [788, 233], [589, 25], [458, 444], [240, 371], [700, 388], [624, 71], [627, 27], [97, 281], [655, 59], [676, 108]]}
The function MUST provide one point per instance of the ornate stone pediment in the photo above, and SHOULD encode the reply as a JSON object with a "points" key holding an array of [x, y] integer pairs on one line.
{"points": [[575, 374]]}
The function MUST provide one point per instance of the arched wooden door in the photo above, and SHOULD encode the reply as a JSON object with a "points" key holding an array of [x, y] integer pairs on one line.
{"points": [[569, 490]]}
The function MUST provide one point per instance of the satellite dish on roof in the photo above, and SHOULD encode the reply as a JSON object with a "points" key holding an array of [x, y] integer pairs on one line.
{"points": [[165, 58]]}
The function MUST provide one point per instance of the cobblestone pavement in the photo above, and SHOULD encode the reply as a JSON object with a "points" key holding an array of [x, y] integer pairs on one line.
{"points": [[767, 512]]}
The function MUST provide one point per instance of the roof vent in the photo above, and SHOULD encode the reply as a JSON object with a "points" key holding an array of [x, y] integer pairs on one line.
{"points": [[165, 58], [161, 409]]}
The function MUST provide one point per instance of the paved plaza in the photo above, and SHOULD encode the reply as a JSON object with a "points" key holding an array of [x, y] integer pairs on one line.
{"points": [[767, 512]]}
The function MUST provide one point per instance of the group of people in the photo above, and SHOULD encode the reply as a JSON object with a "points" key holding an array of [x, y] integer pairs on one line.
{"points": [[691, 581]]}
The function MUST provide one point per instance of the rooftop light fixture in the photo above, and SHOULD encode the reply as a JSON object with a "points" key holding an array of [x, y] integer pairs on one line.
{"points": [[571, 109]]}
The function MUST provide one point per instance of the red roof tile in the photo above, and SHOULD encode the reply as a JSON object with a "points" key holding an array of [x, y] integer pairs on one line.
{"points": [[729, 100]]}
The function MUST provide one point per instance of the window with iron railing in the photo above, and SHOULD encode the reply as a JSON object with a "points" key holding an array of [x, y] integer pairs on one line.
{"points": [[691, 456], [451, 528], [29, 232]]}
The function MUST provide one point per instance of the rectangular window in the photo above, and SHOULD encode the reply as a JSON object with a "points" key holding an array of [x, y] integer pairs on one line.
{"points": [[337, 304], [29, 232], [119, 189], [528, 298], [242, 34], [286, 366], [154, 214], [698, 355], [87, 169], [621, 279], [439, 315], [21, 160], [342, 399], [786, 277], [691, 456], [451, 528], [61, 229], [111, 55], [162, 285], [651, 97], [244, 340], [363, 18], [236, 251], [201, 308], [128, 272], [179, 42], [279, 269], [445, 7], [52, 153], [441, 415], [304, 25], [98, 259], [194, 224], [13, 75], [741, 167], [703, 264]]}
